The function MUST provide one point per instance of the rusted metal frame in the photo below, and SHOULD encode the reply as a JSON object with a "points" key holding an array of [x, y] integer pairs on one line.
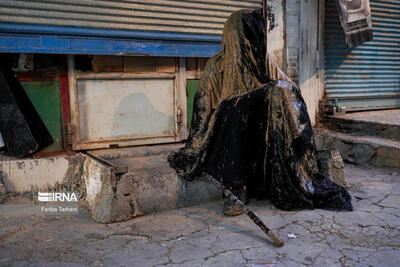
{"points": [[108, 140], [118, 168], [126, 143], [179, 102]]}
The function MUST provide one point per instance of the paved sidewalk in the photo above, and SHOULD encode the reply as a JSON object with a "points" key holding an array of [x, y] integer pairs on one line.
{"points": [[202, 236]]}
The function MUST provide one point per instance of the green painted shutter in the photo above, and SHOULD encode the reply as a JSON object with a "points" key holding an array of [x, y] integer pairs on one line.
{"points": [[45, 97], [191, 88]]}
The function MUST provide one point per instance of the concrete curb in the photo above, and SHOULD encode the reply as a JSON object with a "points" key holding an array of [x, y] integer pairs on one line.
{"points": [[363, 128], [150, 185], [33, 174], [361, 150]]}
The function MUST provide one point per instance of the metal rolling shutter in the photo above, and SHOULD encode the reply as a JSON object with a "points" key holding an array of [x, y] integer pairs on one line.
{"points": [[202, 17], [367, 76]]}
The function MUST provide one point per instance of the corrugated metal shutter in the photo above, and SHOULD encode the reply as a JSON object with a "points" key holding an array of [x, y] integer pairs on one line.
{"points": [[367, 76], [194, 17]]}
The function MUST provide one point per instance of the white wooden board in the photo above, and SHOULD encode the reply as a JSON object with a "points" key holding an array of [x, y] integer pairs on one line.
{"points": [[117, 109]]}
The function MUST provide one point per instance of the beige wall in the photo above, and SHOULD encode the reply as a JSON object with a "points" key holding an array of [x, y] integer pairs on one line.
{"points": [[295, 43], [276, 32], [310, 59]]}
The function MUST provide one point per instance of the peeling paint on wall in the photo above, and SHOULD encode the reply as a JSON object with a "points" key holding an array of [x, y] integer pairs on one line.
{"points": [[271, 19]]}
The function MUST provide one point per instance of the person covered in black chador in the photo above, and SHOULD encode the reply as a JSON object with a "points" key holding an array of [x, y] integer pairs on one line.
{"points": [[253, 133]]}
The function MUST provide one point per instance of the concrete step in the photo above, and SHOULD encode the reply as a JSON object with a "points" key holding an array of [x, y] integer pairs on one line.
{"points": [[360, 149], [137, 151], [116, 184], [30, 175], [381, 124], [129, 182]]}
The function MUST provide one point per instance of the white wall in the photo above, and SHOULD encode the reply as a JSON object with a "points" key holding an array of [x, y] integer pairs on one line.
{"points": [[292, 38], [310, 49], [276, 36], [296, 44]]}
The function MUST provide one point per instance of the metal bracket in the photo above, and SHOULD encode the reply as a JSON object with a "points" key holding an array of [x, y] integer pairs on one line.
{"points": [[333, 109], [337, 110]]}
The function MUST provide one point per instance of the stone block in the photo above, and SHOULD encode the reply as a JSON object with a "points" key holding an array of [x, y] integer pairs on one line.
{"points": [[150, 185], [332, 167]]}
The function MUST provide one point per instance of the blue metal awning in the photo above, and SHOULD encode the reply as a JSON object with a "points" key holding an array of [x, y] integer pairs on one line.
{"points": [[171, 28], [22, 38]]}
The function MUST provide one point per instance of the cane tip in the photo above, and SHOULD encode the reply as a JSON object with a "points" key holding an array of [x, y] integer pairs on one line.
{"points": [[276, 240], [280, 243]]}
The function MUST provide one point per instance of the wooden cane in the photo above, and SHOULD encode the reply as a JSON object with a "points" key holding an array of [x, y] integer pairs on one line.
{"points": [[276, 240]]}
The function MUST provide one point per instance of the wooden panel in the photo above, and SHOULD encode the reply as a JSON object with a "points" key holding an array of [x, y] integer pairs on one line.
{"points": [[125, 108], [165, 64], [195, 67], [167, 103], [149, 64], [191, 64], [102, 63]]}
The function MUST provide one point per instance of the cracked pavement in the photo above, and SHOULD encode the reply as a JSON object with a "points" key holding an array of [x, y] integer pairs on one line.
{"points": [[202, 236]]}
